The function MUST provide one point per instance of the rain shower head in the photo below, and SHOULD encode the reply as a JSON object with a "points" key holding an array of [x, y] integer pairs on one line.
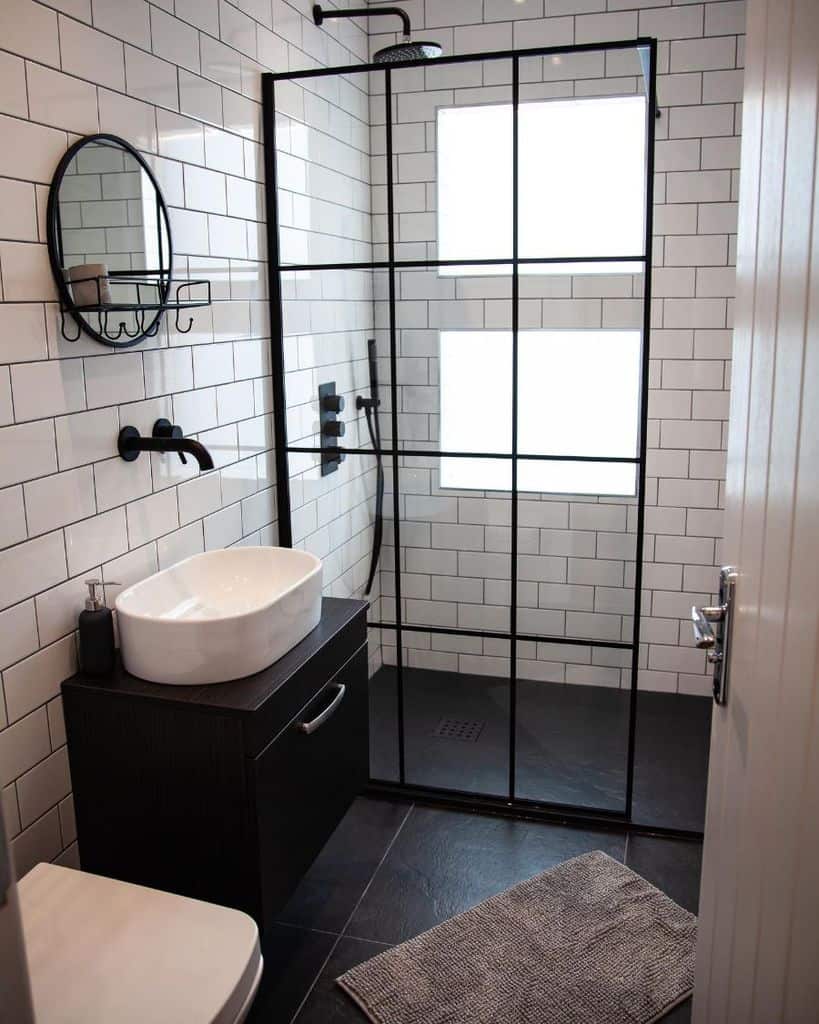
{"points": [[421, 49]]}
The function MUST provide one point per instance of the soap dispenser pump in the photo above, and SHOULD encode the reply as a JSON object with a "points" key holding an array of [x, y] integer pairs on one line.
{"points": [[97, 647]]}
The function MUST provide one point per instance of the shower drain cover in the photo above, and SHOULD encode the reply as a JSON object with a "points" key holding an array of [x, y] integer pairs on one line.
{"points": [[459, 729]]}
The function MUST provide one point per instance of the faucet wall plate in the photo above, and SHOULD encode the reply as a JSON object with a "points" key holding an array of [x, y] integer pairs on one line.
{"points": [[125, 435]]}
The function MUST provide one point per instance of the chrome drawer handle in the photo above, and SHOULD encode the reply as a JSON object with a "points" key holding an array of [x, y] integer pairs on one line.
{"points": [[328, 712]]}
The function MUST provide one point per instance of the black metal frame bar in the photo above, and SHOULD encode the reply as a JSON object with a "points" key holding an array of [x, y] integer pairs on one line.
{"points": [[510, 804]]}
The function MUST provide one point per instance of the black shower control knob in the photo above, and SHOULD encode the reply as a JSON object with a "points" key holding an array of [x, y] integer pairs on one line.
{"points": [[333, 403], [335, 428]]}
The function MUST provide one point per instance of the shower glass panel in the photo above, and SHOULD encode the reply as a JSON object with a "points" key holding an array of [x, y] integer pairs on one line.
{"points": [[499, 289], [324, 169]]}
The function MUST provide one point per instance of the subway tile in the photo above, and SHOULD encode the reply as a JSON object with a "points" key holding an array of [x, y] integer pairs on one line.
{"points": [[203, 14], [13, 99], [174, 41], [18, 633], [36, 679], [12, 516], [129, 21], [223, 528], [167, 371], [18, 211], [212, 364], [23, 744], [180, 544], [61, 100], [200, 98], [95, 540], [702, 54], [26, 451], [86, 437], [152, 517], [151, 79], [238, 31], [724, 19], [218, 61], [32, 567], [91, 55], [180, 138], [116, 110], [22, 332], [590, 28], [114, 379], [55, 501], [118, 482], [51, 388], [128, 569], [41, 841], [26, 272], [29, 151], [30, 30]]}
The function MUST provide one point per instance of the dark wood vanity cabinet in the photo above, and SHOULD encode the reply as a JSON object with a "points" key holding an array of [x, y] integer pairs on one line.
{"points": [[227, 792]]}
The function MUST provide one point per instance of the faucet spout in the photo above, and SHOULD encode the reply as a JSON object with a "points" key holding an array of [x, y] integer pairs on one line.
{"points": [[166, 437], [192, 447]]}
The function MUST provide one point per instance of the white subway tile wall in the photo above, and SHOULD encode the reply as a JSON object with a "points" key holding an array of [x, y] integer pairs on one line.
{"points": [[184, 88], [576, 556]]}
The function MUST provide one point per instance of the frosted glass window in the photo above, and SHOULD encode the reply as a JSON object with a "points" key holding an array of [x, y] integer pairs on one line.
{"points": [[581, 183], [578, 394]]}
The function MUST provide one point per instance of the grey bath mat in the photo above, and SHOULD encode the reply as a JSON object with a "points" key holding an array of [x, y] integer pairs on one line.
{"points": [[588, 942]]}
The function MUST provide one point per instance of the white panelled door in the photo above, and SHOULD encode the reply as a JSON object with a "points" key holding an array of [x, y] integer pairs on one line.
{"points": [[758, 955]]}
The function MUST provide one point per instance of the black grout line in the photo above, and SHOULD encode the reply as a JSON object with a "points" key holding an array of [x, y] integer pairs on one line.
{"points": [[352, 913]]}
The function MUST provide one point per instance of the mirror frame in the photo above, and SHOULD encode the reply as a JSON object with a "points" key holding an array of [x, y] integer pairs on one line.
{"points": [[67, 303]]}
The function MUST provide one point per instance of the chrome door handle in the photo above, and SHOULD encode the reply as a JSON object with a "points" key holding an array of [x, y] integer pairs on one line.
{"points": [[712, 631], [704, 636], [328, 712]]}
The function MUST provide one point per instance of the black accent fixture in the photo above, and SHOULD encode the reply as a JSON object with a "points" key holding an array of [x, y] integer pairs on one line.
{"points": [[406, 50], [166, 437], [370, 406], [126, 305], [227, 792], [330, 427], [509, 802]]}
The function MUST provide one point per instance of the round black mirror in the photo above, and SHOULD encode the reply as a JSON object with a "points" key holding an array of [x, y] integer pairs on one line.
{"points": [[109, 242]]}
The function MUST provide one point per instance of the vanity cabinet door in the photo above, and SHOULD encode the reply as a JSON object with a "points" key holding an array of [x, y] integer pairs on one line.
{"points": [[306, 779]]}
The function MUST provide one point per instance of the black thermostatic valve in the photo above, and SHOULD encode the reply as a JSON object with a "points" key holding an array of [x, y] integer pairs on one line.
{"points": [[330, 427]]}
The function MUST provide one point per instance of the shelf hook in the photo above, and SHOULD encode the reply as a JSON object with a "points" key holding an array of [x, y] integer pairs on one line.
{"points": [[63, 331]]}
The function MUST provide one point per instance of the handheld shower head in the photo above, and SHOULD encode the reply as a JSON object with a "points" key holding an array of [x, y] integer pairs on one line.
{"points": [[406, 50]]}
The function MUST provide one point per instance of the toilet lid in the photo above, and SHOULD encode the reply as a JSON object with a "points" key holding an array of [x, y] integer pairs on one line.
{"points": [[100, 950]]}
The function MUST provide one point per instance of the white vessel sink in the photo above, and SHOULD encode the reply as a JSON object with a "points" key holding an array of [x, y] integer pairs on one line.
{"points": [[220, 615]]}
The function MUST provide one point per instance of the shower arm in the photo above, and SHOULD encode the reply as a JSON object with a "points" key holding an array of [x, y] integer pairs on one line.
{"points": [[320, 15]]}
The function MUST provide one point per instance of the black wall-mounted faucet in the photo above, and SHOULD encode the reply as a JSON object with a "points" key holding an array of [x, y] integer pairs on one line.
{"points": [[166, 437]]}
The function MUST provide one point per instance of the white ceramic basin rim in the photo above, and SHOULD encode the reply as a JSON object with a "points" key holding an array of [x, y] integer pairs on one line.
{"points": [[220, 615]]}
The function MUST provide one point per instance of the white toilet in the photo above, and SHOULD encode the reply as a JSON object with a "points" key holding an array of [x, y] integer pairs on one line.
{"points": [[100, 951]]}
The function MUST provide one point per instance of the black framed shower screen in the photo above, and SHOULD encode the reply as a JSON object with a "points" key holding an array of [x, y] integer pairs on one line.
{"points": [[391, 266]]}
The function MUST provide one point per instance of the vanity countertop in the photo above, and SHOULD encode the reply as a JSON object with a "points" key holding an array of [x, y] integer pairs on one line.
{"points": [[257, 696]]}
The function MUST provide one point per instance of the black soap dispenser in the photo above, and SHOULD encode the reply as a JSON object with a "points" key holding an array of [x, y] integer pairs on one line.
{"points": [[97, 647]]}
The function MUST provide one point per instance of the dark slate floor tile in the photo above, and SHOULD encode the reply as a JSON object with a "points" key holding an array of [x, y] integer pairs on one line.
{"points": [[673, 737], [673, 865], [292, 959], [444, 862], [327, 1003], [331, 888]]}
